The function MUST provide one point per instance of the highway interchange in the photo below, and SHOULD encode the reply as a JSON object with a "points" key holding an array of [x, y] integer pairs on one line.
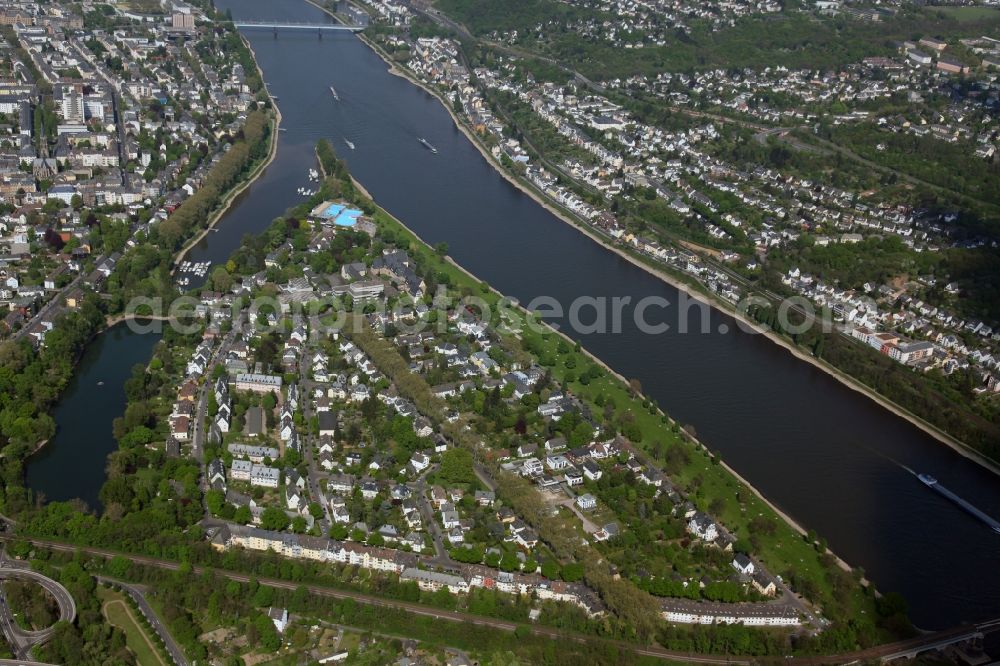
{"points": [[20, 640]]}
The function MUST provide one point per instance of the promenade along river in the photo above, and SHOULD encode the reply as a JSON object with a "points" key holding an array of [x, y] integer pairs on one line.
{"points": [[820, 451]]}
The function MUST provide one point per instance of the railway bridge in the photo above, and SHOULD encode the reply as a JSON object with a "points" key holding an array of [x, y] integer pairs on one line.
{"points": [[319, 28]]}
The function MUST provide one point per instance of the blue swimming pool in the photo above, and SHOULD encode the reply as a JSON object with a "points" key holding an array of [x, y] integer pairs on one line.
{"points": [[347, 218], [333, 210]]}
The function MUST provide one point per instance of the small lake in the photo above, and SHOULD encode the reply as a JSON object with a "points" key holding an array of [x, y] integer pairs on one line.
{"points": [[828, 456], [72, 464]]}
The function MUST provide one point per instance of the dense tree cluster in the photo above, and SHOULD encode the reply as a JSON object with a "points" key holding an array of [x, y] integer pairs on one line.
{"points": [[30, 382], [250, 146], [90, 640]]}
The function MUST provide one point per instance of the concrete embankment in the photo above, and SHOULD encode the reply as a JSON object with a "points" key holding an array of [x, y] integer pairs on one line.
{"points": [[723, 306]]}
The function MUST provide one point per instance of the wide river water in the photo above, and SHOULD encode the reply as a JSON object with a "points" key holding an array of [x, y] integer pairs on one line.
{"points": [[828, 456]]}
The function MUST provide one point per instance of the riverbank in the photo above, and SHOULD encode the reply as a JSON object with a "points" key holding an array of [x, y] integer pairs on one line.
{"points": [[117, 319], [228, 200], [795, 536], [235, 192], [681, 286], [697, 292], [621, 378]]}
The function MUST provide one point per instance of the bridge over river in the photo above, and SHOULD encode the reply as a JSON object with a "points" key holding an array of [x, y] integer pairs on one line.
{"points": [[275, 26]]}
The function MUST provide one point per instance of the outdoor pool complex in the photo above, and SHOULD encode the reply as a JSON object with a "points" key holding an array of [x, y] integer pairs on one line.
{"points": [[341, 215]]}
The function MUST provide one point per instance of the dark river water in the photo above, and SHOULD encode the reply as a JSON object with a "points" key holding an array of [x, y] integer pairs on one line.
{"points": [[828, 456], [72, 464]]}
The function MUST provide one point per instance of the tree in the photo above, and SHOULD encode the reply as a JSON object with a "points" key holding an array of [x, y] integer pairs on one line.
{"points": [[550, 569], [273, 519], [263, 596], [118, 566], [215, 500], [572, 572], [242, 515], [456, 466], [267, 633], [509, 562], [222, 281], [582, 433]]}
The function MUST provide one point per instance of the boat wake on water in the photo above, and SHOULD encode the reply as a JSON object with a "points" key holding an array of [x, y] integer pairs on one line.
{"points": [[889, 458], [936, 486]]}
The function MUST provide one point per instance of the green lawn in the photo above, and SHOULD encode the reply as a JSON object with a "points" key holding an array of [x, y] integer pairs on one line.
{"points": [[969, 14], [781, 550], [120, 614]]}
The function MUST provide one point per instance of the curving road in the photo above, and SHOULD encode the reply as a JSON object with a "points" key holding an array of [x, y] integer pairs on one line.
{"points": [[885, 652], [138, 594], [416, 609], [22, 641]]}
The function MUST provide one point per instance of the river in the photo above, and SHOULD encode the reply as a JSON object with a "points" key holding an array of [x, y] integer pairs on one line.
{"points": [[826, 455], [72, 464]]}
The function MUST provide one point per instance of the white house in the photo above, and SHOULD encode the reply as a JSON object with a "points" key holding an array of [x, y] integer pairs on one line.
{"points": [[266, 477], [532, 467], [420, 461], [743, 564], [592, 470], [703, 527], [280, 618]]}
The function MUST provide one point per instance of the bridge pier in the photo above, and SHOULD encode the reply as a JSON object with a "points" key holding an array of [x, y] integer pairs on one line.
{"points": [[319, 33], [275, 32]]}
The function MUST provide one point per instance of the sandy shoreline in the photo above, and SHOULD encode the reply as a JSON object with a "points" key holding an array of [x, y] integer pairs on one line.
{"points": [[723, 306]]}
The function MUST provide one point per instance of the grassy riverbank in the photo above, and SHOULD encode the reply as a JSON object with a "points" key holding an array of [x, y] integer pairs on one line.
{"points": [[790, 549], [274, 123], [785, 547], [688, 284], [229, 199], [141, 271]]}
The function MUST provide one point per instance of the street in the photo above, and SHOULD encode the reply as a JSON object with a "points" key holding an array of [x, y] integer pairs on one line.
{"points": [[20, 640], [138, 595]]}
